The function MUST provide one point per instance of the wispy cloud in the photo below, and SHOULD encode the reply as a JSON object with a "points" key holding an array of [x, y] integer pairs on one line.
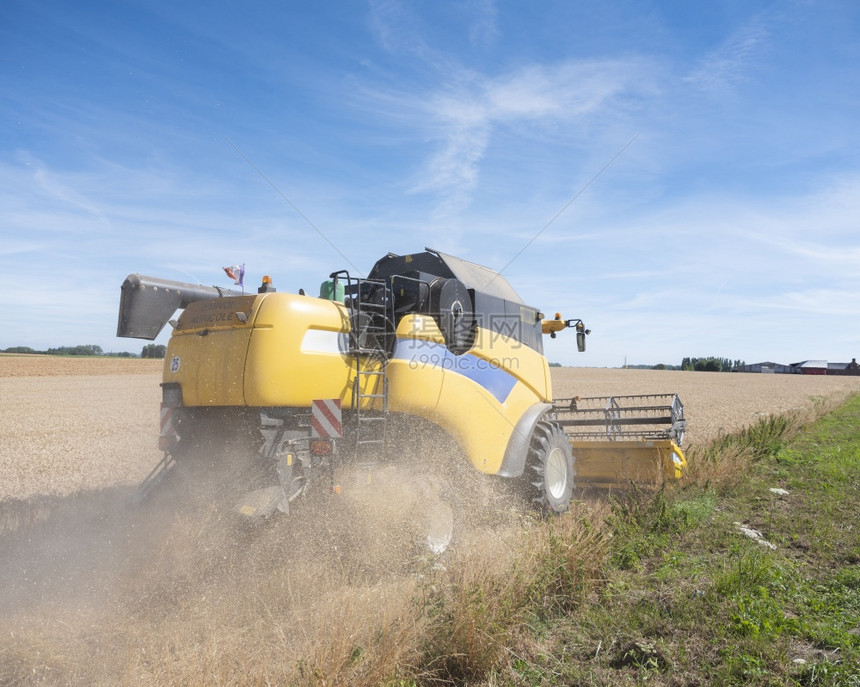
{"points": [[462, 114], [809, 302], [484, 30], [453, 171], [730, 65], [396, 27]]}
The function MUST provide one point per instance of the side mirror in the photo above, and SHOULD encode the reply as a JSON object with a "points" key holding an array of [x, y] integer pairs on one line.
{"points": [[551, 327]]}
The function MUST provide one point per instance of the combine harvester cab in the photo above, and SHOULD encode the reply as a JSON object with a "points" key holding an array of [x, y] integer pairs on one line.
{"points": [[428, 335]]}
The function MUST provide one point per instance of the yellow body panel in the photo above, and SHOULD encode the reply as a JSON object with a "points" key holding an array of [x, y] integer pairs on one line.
{"points": [[477, 397], [297, 352], [553, 326], [414, 382], [288, 352], [207, 351], [618, 463], [482, 425]]}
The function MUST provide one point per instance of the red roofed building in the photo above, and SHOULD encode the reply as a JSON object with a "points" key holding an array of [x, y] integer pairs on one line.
{"points": [[822, 367]]}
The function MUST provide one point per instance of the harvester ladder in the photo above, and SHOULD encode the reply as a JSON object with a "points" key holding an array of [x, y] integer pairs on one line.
{"points": [[371, 335]]}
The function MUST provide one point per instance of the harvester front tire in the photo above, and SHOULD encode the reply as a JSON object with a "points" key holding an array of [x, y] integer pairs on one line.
{"points": [[549, 468]]}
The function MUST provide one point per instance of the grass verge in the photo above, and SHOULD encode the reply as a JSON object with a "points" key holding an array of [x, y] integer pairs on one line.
{"points": [[732, 579]]}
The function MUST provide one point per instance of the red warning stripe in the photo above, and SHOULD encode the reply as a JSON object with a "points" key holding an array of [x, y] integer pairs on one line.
{"points": [[167, 437], [166, 421], [326, 419]]}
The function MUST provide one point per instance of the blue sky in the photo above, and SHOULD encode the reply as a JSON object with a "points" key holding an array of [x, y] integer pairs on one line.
{"points": [[711, 151]]}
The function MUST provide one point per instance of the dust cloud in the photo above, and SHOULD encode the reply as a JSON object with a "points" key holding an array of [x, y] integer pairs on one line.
{"points": [[99, 589]]}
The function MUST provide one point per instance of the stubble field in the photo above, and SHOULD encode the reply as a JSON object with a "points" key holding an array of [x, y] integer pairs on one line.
{"points": [[96, 592]]}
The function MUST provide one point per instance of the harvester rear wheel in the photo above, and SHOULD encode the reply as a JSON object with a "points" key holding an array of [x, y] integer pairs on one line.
{"points": [[549, 469]]}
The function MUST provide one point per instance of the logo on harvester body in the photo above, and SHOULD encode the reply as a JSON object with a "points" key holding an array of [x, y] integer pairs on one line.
{"points": [[491, 375]]}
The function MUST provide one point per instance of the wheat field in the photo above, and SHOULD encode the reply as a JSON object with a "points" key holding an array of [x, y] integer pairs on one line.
{"points": [[98, 592], [82, 424]]}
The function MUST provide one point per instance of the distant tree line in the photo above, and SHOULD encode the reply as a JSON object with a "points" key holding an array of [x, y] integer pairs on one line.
{"points": [[153, 351], [712, 364], [61, 350], [76, 350], [149, 351]]}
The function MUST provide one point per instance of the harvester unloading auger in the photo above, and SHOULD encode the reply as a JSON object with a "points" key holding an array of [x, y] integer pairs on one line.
{"points": [[314, 381]]}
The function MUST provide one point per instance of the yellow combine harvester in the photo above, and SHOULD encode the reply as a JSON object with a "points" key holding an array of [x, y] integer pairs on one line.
{"points": [[315, 380]]}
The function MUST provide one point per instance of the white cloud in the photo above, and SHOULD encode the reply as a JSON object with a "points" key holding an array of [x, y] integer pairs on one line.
{"points": [[732, 62], [484, 30], [396, 28], [564, 91], [815, 302], [454, 168], [461, 117]]}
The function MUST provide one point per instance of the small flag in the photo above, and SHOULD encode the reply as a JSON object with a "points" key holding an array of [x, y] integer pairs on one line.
{"points": [[237, 274]]}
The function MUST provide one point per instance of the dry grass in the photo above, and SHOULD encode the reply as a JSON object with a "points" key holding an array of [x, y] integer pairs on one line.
{"points": [[97, 593], [494, 589], [726, 458]]}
